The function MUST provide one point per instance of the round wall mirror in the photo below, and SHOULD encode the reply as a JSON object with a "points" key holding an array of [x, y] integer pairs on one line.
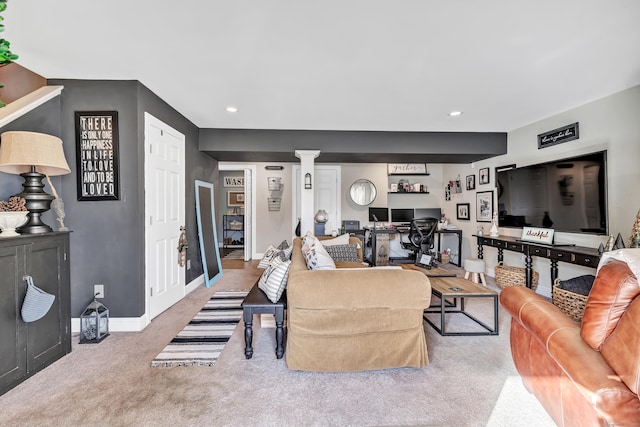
{"points": [[363, 192]]}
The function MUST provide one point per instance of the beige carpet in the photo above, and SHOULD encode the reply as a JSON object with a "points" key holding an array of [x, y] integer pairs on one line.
{"points": [[112, 384]]}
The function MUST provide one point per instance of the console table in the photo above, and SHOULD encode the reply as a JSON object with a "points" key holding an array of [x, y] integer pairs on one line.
{"points": [[579, 255]]}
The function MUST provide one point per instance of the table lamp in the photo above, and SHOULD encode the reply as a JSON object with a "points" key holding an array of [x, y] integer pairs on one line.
{"points": [[33, 155]]}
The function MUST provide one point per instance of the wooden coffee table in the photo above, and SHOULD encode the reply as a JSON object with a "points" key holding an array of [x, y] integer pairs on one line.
{"points": [[430, 272], [451, 289]]}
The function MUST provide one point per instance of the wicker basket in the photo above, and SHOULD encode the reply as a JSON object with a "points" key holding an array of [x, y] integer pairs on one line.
{"points": [[513, 276], [571, 303]]}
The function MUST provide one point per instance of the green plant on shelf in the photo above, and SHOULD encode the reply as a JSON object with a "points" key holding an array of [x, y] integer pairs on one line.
{"points": [[6, 56]]}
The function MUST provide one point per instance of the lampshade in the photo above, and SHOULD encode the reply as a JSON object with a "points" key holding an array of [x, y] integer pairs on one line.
{"points": [[19, 150]]}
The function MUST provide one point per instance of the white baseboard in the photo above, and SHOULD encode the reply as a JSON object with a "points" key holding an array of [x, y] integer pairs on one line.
{"points": [[134, 324]]}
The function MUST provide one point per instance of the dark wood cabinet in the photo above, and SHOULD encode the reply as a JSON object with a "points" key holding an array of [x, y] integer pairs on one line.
{"points": [[29, 347]]}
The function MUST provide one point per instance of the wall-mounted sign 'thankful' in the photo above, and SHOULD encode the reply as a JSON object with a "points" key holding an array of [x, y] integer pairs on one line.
{"points": [[97, 155]]}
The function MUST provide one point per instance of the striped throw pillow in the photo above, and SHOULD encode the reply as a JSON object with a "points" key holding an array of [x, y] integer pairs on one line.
{"points": [[268, 256], [274, 279]]}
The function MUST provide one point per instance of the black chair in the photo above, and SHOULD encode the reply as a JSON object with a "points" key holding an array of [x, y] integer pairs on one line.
{"points": [[421, 239]]}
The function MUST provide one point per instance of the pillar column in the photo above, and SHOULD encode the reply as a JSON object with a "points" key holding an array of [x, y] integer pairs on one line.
{"points": [[307, 164]]}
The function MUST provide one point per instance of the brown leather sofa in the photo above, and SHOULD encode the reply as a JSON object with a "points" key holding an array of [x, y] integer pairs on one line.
{"points": [[588, 374], [354, 319]]}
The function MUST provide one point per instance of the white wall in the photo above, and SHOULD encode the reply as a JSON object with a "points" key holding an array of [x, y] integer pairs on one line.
{"points": [[610, 123]]}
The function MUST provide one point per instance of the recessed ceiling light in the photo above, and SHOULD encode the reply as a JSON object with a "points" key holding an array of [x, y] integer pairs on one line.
{"points": [[455, 113], [231, 109]]}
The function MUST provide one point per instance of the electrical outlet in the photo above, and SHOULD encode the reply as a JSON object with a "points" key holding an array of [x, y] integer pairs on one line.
{"points": [[98, 291], [188, 264]]}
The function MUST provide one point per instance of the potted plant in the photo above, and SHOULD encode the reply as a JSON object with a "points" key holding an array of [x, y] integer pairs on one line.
{"points": [[6, 56]]}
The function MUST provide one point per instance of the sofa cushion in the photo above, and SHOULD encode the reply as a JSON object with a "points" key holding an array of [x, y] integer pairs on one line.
{"points": [[613, 290], [343, 239], [273, 281], [343, 253], [622, 349]]}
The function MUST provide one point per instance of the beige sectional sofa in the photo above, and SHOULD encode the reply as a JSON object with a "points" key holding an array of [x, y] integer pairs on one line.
{"points": [[354, 319]]}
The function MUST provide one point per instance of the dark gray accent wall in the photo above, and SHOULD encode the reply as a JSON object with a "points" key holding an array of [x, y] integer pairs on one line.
{"points": [[265, 145], [198, 167], [107, 243]]}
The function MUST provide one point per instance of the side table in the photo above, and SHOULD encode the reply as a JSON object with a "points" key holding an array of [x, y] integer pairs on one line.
{"points": [[256, 302]]}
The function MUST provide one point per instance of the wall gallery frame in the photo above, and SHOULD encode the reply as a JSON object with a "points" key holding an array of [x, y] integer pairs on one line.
{"points": [[462, 211], [484, 206], [471, 182], [484, 176], [235, 198]]}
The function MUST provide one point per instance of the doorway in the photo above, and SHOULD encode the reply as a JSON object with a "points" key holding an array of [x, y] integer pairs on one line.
{"points": [[164, 207], [249, 204]]}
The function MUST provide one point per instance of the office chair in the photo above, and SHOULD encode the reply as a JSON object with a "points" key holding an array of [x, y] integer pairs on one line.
{"points": [[421, 239]]}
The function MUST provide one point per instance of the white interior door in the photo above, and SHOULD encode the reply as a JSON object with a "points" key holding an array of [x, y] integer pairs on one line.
{"points": [[326, 194], [164, 214]]}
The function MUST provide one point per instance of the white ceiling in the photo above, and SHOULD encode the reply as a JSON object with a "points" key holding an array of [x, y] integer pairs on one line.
{"points": [[342, 65]]}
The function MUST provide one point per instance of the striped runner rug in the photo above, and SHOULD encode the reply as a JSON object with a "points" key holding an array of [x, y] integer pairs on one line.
{"points": [[202, 340]]}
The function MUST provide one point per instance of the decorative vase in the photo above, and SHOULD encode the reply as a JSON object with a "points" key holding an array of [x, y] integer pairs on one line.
{"points": [[11, 220], [321, 216]]}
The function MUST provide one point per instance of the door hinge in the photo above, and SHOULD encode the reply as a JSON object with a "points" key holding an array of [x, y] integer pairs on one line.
{"points": [[151, 289], [150, 148], [150, 220], [65, 256]]}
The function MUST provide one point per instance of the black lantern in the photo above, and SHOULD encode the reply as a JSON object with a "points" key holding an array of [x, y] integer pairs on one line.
{"points": [[94, 323], [307, 181]]}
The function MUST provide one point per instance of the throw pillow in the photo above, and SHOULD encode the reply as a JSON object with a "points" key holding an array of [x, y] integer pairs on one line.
{"points": [[318, 258], [283, 245], [345, 253], [274, 279], [343, 239], [268, 256]]}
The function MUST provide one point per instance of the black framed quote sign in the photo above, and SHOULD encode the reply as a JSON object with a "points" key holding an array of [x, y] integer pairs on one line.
{"points": [[97, 155]]}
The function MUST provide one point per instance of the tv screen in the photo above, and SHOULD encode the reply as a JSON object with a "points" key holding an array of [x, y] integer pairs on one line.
{"points": [[401, 215], [382, 214], [568, 195], [428, 213]]}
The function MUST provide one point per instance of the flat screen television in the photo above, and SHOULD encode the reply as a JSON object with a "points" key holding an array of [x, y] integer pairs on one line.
{"points": [[428, 213], [401, 215], [382, 214], [568, 195]]}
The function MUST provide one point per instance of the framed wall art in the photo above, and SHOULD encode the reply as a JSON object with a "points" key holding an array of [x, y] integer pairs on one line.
{"points": [[471, 182], [484, 176], [97, 156], [462, 211], [235, 198], [484, 206]]}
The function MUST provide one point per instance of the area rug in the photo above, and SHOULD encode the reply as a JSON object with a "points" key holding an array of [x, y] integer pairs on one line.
{"points": [[203, 339], [235, 254]]}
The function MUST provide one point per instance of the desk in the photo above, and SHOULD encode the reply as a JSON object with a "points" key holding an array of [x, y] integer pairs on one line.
{"points": [[400, 230], [579, 255]]}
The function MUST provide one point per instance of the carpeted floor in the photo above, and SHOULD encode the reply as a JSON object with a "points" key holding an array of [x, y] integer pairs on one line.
{"points": [[111, 383]]}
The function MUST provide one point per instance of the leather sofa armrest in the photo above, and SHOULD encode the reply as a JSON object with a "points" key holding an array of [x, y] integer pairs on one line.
{"points": [[537, 315]]}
